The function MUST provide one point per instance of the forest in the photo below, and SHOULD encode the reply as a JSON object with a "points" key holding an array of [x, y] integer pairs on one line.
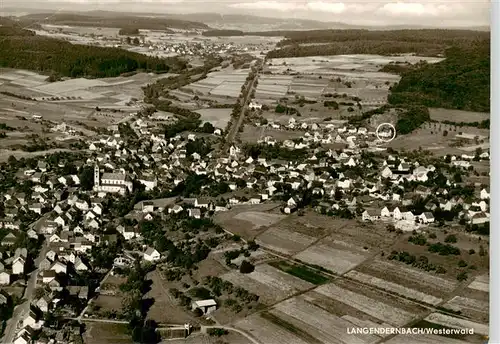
{"points": [[429, 42], [121, 21], [461, 81], [23, 49]]}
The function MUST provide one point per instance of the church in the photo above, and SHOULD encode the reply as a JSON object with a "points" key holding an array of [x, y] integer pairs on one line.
{"points": [[112, 182]]}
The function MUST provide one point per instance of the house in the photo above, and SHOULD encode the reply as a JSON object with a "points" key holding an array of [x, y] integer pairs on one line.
{"points": [[479, 218], [32, 319], [59, 267], [196, 213], [151, 254], [18, 266], [385, 212], [484, 194], [24, 338], [80, 265], [176, 209], [44, 303], [148, 207], [396, 214], [370, 215], [426, 217], [4, 278], [206, 306], [9, 239]]}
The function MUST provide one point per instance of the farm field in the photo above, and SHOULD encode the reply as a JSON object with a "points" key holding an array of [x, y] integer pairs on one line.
{"points": [[319, 323], [481, 283], [419, 280], [224, 83], [440, 115], [393, 287], [218, 117], [269, 283], [380, 310], [104, 333], [475, 263], [246, 225], [453, 322], [267, 332], [337, 259], [422, 339]]}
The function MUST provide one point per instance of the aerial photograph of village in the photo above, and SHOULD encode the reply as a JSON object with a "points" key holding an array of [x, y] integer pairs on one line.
{"points": [[174, 175]]}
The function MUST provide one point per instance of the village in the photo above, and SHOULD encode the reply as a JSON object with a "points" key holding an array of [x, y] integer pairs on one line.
{"points": [[62, 209], [250, 200]]}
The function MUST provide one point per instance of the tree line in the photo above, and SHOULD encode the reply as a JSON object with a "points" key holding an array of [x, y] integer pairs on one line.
{"points": [[461, 81], [23, 49]]}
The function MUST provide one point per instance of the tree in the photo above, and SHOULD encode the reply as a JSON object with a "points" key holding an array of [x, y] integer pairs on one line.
{"points": [[86, 176], [208, 128], [136, 41], [246, 267]]}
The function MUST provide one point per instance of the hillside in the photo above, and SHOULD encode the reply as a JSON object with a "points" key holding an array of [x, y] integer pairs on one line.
{"points": [[24, 50], [118, 21], [428, 42], [461, 81]]}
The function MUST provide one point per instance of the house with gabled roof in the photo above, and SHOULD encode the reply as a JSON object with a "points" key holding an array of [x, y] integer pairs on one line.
{"points": [[426, 217]]}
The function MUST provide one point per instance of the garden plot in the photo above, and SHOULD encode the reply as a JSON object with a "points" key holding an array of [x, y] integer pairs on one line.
{"points": [[218, 117], [267, 332], [468, 305], [284, 240], [377, 309], [416, 279], [336, 260], [394, 287], [269, 283], [422, 339], [481, 283], [326, 327], [449, 321], [259, 219]]}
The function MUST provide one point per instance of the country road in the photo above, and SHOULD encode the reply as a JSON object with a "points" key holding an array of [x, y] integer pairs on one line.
{"points": [[234, 130], [243, 333]]}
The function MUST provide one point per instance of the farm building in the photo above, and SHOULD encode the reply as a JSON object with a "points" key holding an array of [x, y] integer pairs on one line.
{"points": [[206, 306]]}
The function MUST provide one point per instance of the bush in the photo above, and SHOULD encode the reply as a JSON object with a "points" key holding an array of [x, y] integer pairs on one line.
{"points": [[472, 251], [462, 276], [432, 236], [450, 239], [462, 263], [246, 267]]}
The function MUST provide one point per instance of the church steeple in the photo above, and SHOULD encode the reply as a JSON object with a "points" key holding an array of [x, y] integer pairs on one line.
{"points": [[96, 175]]}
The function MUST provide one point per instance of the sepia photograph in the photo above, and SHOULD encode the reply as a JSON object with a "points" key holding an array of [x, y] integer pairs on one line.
{"points": [[248, 172]]}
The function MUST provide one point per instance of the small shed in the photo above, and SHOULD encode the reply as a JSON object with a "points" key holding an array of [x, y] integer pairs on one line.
{"points": [[206, 306]]}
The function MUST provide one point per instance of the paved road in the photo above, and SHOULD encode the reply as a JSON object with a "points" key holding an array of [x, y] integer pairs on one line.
{"points": [[21, 310], [234, 130]]}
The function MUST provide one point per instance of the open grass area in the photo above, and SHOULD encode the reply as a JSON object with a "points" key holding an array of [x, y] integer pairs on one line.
{"points": [[301, 272], [289, 327]]}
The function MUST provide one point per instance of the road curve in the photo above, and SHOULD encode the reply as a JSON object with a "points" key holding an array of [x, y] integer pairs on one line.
{"points": [[243, 333]]}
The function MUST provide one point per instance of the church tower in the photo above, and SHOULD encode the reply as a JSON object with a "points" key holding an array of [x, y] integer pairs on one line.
{"points": [[96, 175]]}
